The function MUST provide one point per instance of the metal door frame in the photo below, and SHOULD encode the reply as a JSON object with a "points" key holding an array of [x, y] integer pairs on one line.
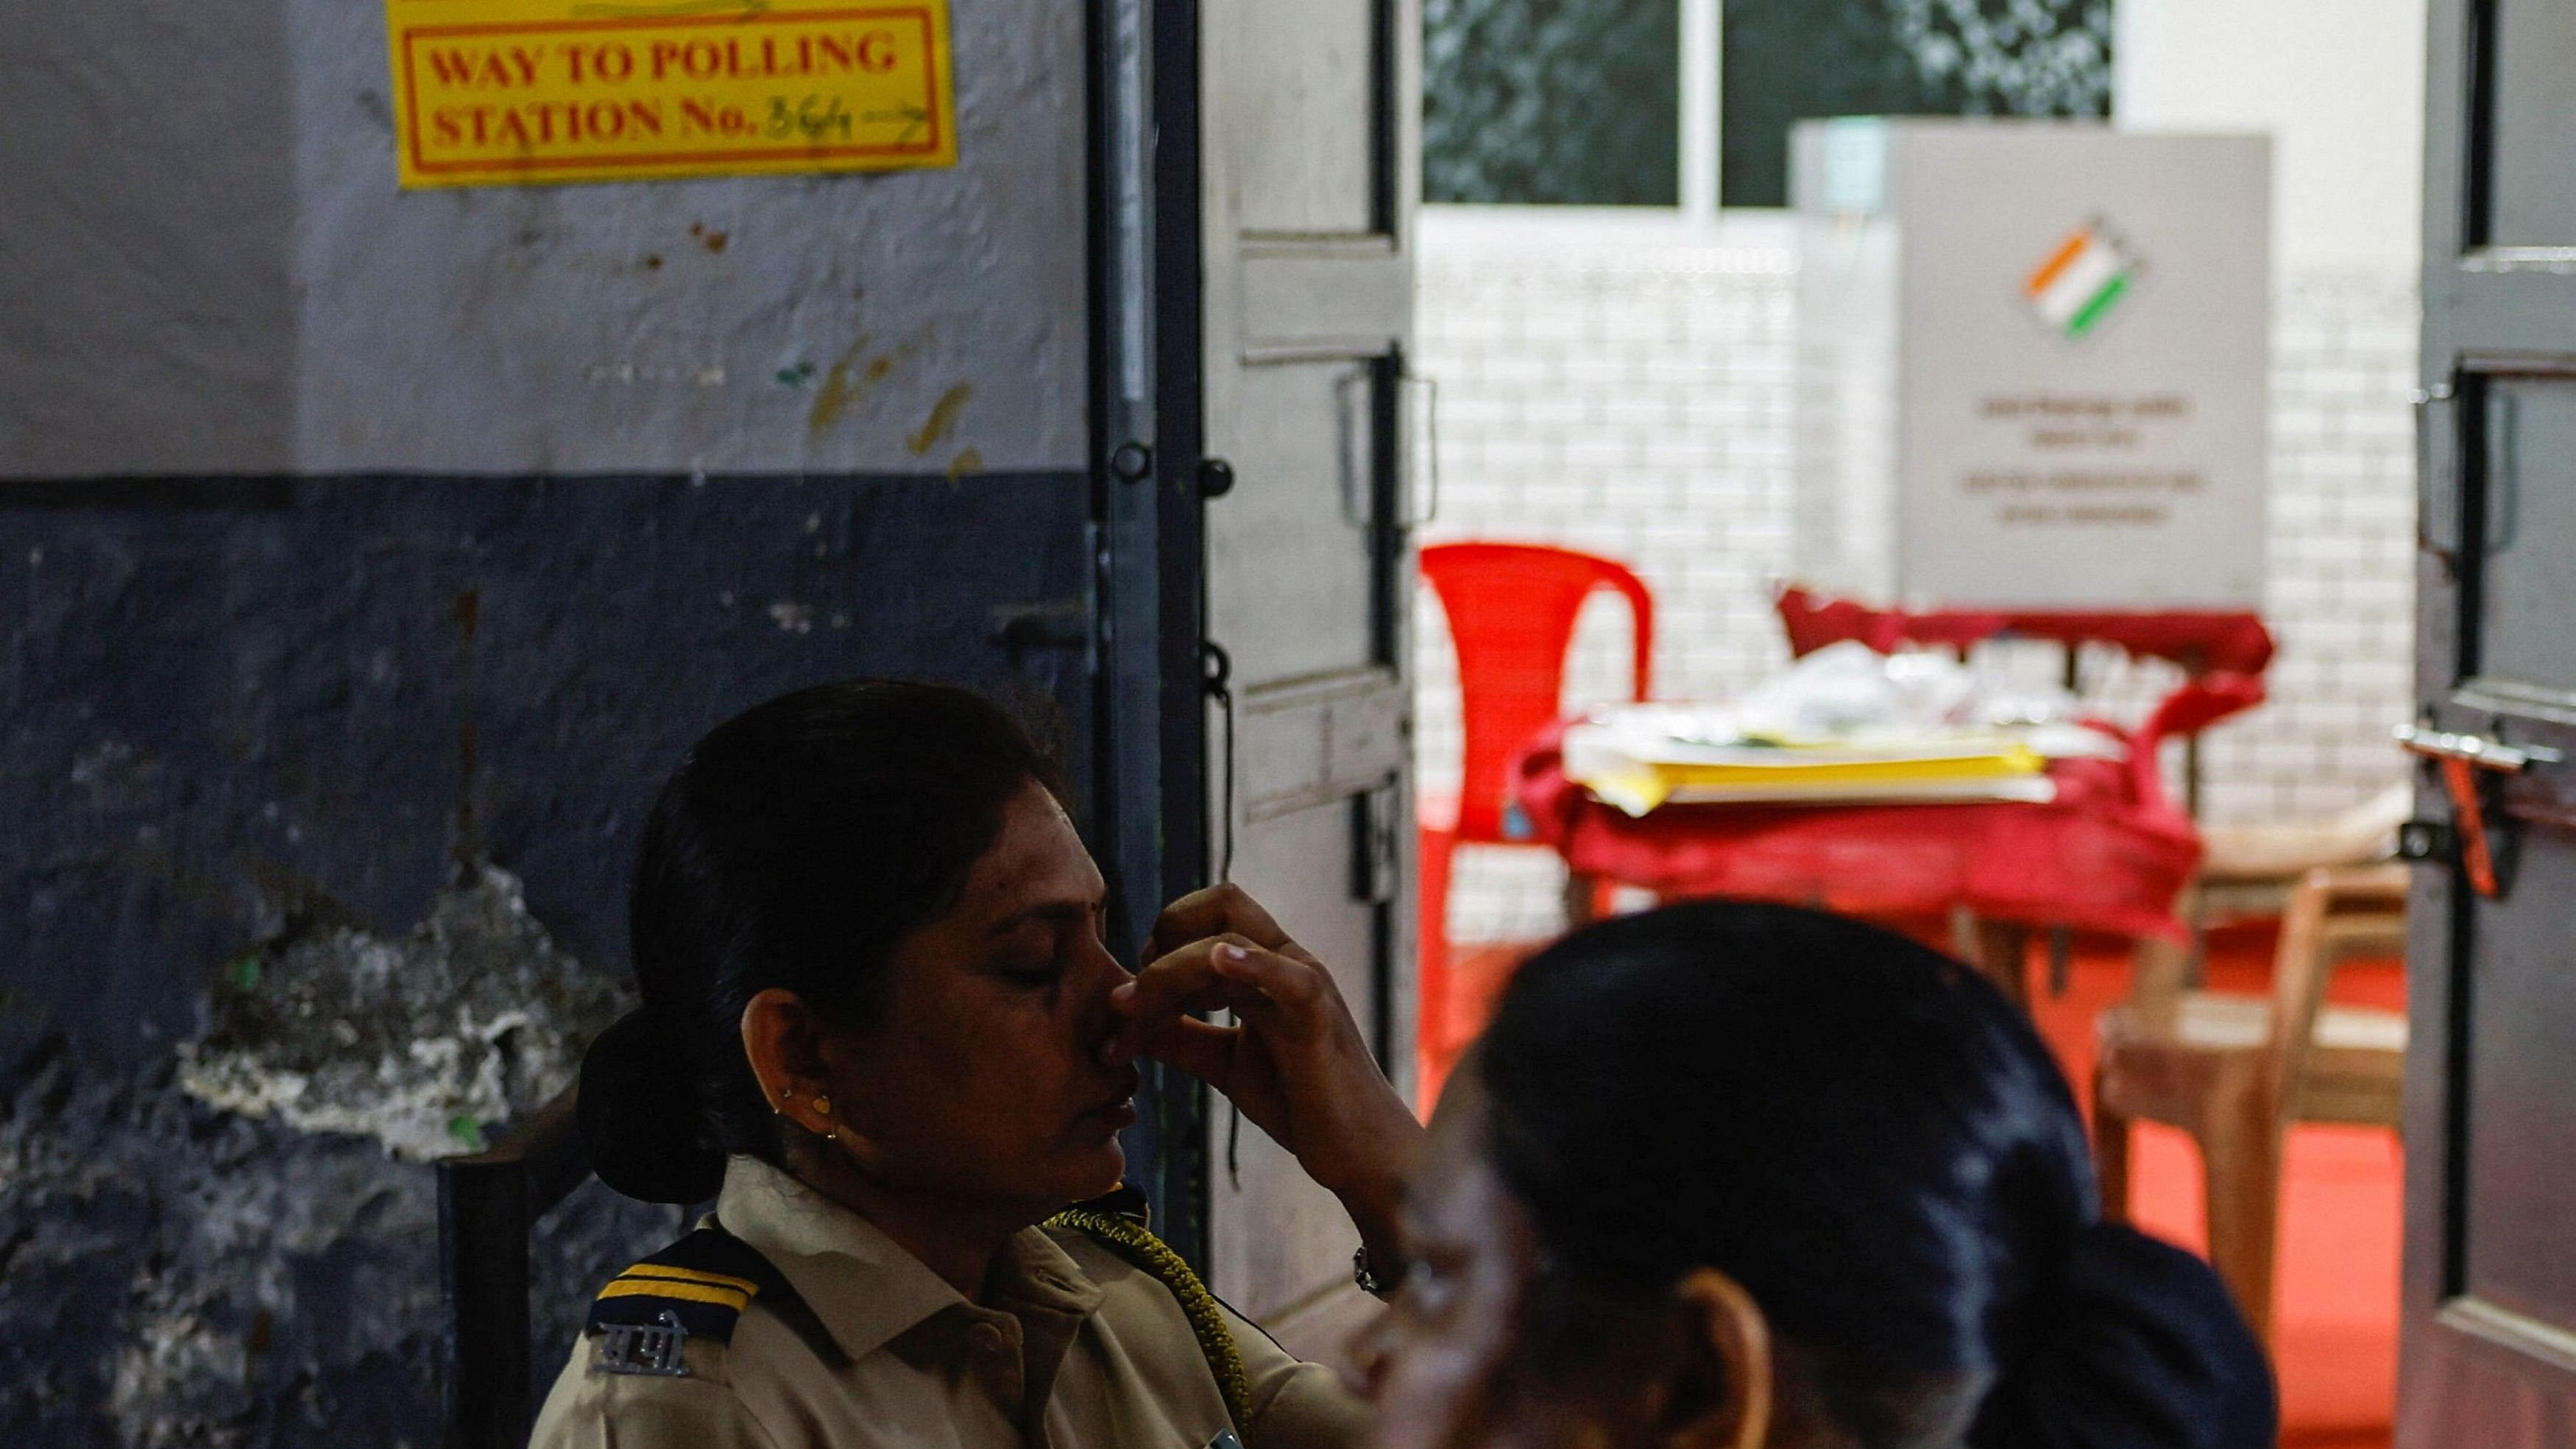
{"points": [[1147, 392]]}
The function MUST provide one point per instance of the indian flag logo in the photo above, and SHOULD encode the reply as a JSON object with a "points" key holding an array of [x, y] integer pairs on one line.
{"points": [[2082, 280]]}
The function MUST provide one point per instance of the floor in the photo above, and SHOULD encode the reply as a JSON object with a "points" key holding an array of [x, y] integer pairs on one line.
{"points": [[2336, 1314]]}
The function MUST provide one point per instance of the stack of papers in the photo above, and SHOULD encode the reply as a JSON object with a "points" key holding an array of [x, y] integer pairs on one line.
{"points": [[1637, 757]]}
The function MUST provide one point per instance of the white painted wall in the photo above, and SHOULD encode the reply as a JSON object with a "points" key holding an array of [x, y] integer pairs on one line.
{"points": [[206, 268], [2339, 85]]}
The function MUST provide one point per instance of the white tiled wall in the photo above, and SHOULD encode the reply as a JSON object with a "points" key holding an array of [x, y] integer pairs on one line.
{"points": [[1621, 387]]}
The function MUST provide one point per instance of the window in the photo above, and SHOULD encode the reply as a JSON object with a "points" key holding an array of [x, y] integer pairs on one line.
{"points": [[1564, 101], [1584, 101]]}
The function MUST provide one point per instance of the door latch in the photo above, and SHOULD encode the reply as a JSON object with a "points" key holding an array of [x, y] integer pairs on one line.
{"points": [[1051, 624], [2466, 761]]}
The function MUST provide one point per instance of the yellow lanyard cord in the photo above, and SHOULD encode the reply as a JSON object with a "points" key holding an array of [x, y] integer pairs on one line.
{"points": [[1207, 1319]]}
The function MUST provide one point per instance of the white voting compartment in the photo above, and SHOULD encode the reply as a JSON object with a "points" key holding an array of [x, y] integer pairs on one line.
{"points": [[2031, 363]]}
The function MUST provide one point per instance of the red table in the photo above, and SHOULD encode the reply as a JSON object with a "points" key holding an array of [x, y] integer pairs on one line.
{"points": [[2202, 641], [2109, 853]]}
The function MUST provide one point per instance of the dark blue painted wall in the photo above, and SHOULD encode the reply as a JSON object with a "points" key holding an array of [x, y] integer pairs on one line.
{"points": [[231, 707]]}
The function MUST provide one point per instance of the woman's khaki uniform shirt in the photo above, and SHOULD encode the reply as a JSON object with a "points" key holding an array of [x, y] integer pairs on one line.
{"points": [[1077, 1349]]}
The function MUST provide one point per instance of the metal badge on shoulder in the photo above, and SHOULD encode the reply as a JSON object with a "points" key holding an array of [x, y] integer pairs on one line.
{"points": [[644, 1348]]}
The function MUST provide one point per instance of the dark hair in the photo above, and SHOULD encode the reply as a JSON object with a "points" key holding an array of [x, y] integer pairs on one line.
{"points": [[794, 847], [1877, 1145]]}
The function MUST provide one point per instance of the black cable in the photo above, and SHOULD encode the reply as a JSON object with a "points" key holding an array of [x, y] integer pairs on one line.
{"points": [[1218, 667]]}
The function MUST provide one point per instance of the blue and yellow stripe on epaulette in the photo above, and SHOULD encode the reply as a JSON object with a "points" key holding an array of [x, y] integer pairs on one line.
{"points": [[698, 1287]]}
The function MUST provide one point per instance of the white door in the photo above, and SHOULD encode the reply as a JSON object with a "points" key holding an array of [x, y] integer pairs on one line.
{"points": [[1309, 178]]}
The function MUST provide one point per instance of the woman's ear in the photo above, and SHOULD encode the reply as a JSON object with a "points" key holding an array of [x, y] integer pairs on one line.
{"points": [[1729, 1343], [785, 1042]]}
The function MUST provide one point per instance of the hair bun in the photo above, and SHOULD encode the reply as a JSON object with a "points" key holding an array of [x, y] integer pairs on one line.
{"points": [[639, 1116], [2140, 1348]]}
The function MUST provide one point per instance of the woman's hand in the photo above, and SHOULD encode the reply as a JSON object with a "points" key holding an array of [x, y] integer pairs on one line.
{"points": [[1294, 1061]]}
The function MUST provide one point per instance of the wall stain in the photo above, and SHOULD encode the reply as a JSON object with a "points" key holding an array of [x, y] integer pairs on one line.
{"points": [[969, 461], [848, 383], [942, 419]]}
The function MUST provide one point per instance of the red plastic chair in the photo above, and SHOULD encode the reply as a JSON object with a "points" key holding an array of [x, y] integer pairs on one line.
{"points": [[2232, 641], [1511, 610], [2193, 706]]}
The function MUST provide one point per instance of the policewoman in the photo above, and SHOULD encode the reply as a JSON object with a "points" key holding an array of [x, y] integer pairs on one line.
{"points": [[880, 1029]]}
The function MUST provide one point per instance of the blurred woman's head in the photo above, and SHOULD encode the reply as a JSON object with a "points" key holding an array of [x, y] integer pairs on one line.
{"points": [[1735, 1174], [867, 939]]}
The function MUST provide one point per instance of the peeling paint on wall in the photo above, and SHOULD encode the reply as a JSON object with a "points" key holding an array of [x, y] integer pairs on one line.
{"points": [[178, 1275], [249, 1233], [420, 1043]]}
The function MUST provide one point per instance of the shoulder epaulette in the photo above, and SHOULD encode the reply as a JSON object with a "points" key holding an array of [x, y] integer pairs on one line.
{"points": [[696, 1288], [699, 1287]]}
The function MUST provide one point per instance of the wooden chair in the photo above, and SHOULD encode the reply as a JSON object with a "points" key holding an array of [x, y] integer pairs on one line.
{"points": [[488, 1205], [2248, 871], [2235, 1071]]}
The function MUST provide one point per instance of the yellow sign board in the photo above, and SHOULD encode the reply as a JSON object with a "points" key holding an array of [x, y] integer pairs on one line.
{"points": [[526, 92]]}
